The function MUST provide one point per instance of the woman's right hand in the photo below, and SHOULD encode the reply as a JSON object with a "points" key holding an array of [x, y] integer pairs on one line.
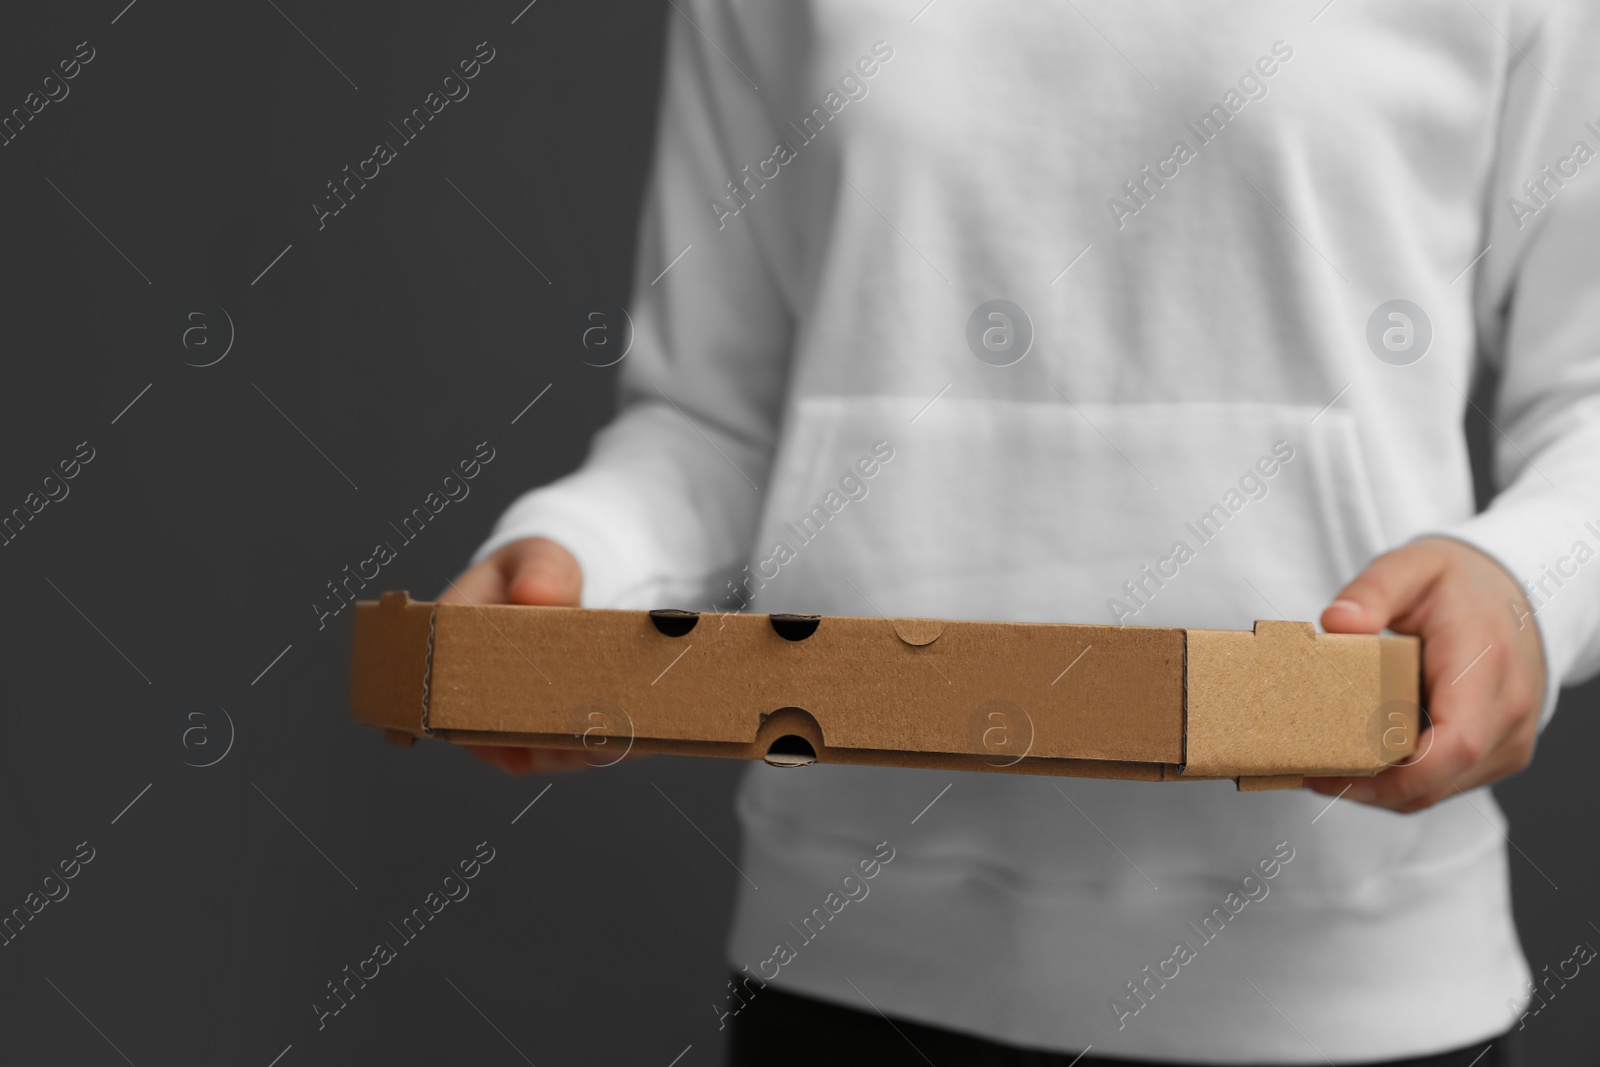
{"points": [[537, 571]]}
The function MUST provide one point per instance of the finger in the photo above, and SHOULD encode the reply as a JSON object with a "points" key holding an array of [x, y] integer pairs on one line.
{"points": [[516, 760], [546, 760], [1506, 760], [1511, 754], [1451, 755], [1387, 593], [1465, 737], [495, 755], [483, 584], [544, 573]]}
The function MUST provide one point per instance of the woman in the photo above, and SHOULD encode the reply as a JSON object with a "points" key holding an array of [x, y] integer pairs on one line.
{"points": [[1168, 317]]}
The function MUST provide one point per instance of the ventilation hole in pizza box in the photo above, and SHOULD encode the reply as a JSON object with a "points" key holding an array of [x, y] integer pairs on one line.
{"points": [[674, 622], [791, 750], [795, 627]]}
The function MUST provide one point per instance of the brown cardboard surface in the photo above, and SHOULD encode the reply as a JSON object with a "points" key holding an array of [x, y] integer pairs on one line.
{"points": [[1143, 703], [543, 670], [389, 667]]}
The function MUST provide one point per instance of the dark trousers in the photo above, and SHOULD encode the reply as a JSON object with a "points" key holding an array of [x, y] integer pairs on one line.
{"points": [[778, 1029]]}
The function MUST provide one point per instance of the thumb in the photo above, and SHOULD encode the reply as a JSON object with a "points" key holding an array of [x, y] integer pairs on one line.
{"points": [[1386, 594], [542, 572]]}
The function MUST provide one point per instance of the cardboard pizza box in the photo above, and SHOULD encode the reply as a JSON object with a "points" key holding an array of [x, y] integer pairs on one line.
{"points": [[1265, 707]]}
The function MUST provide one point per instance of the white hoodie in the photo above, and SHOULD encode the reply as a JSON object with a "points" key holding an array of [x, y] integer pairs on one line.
{"points": [[1193, 312]]}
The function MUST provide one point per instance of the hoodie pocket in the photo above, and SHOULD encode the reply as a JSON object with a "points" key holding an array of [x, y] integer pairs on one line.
{"points": [[1207, 515]]}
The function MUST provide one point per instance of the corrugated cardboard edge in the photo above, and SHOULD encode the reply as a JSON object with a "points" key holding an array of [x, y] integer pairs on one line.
{"points": [[390, 664], [1265, 782], [1283, 701], [602, 756]]}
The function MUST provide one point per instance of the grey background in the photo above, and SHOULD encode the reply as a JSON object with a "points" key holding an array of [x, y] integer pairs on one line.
{"points": [[186, 556]]}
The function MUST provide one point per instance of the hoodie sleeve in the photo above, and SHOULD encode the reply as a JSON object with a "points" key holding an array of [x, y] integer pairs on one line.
{"points": [[1538, 309], [670, 494]]}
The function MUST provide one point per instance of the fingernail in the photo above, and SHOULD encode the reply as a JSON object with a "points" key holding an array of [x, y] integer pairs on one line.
{"points": [[1347, 605]]}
